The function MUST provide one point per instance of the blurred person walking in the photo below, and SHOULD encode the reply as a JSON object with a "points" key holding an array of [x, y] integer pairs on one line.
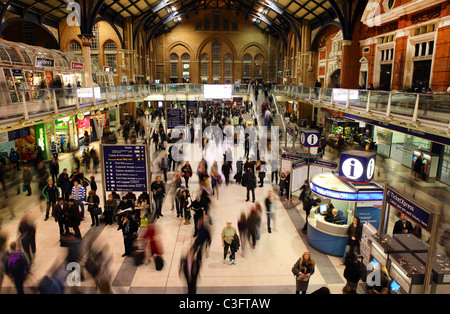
{"points": [[243, 232], [27, 178], [270, 210], [190, 267], [54, 169], [16, 267], [27, 237]]}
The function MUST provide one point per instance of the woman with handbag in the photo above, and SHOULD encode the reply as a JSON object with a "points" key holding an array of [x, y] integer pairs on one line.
{"points": [[302, 270], [187, 173], [93, 202]]}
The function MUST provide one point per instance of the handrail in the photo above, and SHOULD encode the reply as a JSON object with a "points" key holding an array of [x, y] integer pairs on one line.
{"points": [[429, 110], [411, 107]]}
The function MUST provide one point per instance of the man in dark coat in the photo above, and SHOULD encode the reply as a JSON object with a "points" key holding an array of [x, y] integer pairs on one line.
{"points": [[250, 183], [60, 213], [403, 226], [73, 218]]}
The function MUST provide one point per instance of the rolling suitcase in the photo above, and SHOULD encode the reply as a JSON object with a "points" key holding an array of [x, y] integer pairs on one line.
{"points": [[139, 253], [159, 262]]}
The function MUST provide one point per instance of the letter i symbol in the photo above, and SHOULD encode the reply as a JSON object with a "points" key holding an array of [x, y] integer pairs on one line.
{"points": [[352, 168]]}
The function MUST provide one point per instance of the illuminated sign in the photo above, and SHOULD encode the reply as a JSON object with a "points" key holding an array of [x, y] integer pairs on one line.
{"points": [[309, 138], [77, 65], [402, 203], [44, 62], [346, 196], [357, 166]]}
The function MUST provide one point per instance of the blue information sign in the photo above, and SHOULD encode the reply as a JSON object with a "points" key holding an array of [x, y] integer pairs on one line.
{"points": [[19, 133], [175, 117], [125, 167], [407, 207]]}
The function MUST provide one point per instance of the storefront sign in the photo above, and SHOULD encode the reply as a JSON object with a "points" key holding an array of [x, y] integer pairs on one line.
{"points": [[357, 166], [77, 65], [407, 207], [44, 62], [41, 138], [125, 167]]}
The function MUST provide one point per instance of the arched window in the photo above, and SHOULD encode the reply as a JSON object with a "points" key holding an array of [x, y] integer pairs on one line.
{"points": [[228, 68], [185, 60], [226, 23], [198, 25], [74, 47], [216, 20], [204, 68], [216, 59], [259, 60], [173, 66], [247, 64], [95, 44], [207, 24], [110, 49]]}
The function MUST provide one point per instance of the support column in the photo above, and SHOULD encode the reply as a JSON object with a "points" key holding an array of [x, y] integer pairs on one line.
{"points": [[348, 66], [307, 56], [86, 51]]}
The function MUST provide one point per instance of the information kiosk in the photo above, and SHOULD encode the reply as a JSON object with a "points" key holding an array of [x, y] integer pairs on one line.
{"points": [[349, 196]]}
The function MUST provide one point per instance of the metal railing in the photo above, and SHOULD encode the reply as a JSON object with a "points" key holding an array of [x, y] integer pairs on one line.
{"points": [[427, 109], [23, 104]]}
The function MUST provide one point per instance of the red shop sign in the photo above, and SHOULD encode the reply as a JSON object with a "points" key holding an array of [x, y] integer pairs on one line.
{"points": [[77, 66]]}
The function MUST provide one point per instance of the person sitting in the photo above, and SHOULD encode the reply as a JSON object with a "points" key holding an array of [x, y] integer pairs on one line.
{"points": [[335, 218], [329, 213]]}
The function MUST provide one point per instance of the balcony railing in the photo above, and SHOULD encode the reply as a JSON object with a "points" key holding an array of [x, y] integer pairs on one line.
{"points": [[26, 104], [426, 109]]}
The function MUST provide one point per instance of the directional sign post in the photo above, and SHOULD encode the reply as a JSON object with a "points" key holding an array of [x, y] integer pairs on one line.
{"points": [[125, 168], [308, 139]]}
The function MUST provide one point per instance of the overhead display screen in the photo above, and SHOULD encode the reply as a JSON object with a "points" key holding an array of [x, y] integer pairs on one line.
{"points": [[216, 91]]}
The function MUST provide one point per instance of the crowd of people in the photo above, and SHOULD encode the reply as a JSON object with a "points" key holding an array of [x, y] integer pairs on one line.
{"points": [[67, 197]]}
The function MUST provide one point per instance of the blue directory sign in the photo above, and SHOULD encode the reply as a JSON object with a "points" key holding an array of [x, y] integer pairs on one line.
{"points": [[175, 117], [125, 167], [407, 207]]}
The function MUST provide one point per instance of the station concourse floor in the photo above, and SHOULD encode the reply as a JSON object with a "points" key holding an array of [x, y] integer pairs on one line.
{"points": [[266, 269]]}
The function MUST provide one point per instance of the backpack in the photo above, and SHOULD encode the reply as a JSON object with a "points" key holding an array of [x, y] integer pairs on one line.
{"points": [[16, 265]]}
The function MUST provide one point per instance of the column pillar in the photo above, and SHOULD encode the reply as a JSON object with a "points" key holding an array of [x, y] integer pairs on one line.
{"points": [[307, 56], [347, 65], [86, 51]]}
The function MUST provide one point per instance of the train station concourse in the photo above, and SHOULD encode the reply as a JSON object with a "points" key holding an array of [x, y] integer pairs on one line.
{"points": [[226, 148]]}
